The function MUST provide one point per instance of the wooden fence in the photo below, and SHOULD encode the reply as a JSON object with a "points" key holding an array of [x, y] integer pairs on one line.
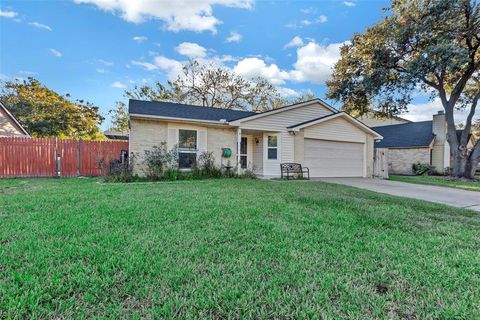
{"points": [[42, 157], [380, 164]]}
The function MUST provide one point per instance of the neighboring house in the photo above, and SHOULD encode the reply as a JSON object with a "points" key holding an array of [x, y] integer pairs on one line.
{"points": [[413, 142], [115, 135], [374, 119], [9, 126], [330, 143]]}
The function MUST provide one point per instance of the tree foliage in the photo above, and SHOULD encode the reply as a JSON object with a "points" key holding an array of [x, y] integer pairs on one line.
{"points": [[45, 113], [119, 117], [211, 85], [421, 45]]}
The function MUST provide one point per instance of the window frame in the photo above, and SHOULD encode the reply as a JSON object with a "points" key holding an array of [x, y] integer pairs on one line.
{"points": [[273, 148], [187, 150]]}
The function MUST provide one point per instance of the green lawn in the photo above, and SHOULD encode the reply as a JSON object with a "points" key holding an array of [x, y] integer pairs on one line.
{"points": [[439, 181], [76, 248]]}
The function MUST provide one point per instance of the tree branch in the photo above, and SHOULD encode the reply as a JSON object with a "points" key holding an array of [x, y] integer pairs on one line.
{"points": [[468, 122]]}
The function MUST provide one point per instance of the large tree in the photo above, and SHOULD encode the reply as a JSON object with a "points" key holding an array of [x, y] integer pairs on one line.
{"points": [[421, 45], [45, 113], [211, 85]]}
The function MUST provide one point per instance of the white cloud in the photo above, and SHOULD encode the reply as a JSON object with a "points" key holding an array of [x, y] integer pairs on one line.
{"points": [[139, 39], [309, 10], [234, 37], [146, 65], [171, 67], [105, 62], [349, 3], [425, 111], [306, 22], [118, 85], [287, 92], [30, 73], [100, 70], [295, 42], [177, 15], [8, 14], [191, 50], [55, 52], [315, 62], [322, 19], [40, 26], [255, 67]]}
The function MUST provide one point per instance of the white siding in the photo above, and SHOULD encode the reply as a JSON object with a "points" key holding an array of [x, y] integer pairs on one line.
{"points": [[279, 122], [8, 127], [337, 129], [282, 120]]}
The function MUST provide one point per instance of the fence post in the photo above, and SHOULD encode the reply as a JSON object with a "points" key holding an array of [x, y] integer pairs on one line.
{"points": [[79, 155], [57, 160]]}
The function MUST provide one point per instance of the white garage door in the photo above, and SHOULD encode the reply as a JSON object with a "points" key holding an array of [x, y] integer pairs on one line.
{"points": [[334, 159]]}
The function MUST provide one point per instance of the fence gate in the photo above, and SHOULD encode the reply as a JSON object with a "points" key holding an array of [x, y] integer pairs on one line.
{"points": [[380, 163], [43, 157]]}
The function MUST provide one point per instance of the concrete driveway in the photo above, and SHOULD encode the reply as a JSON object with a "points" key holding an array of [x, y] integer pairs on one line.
{"points": [[450, 196]]}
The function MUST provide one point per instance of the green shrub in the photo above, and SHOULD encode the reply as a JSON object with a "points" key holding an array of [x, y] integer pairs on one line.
{"points": [[116, 171], [207, 167], [247, 174], [423, 169], [158, 160]]}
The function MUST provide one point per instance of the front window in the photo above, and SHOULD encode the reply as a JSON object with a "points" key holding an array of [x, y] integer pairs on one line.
{"points": [[272, 149], [187, 148], [243, 153]]}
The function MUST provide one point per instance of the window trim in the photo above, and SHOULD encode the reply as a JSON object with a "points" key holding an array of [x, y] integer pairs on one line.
{"points": [[186, 150], [268, 147]]}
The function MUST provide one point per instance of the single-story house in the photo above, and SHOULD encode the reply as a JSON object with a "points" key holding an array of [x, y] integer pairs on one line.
{"points": [[9, 126], [413, 142], [312, 133]]}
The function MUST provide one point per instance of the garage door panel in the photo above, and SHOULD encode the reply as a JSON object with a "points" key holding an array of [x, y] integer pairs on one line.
{"points": [[334, 158]]}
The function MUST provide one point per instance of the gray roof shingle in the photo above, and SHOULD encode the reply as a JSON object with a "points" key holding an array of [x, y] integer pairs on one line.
{"points": [[413, 134], [178, 110]]}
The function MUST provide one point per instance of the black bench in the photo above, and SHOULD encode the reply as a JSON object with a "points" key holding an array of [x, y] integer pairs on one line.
{"points": [[293, 170]]}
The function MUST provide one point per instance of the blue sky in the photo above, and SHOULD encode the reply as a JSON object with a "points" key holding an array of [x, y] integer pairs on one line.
{"points": [[93, 49]]}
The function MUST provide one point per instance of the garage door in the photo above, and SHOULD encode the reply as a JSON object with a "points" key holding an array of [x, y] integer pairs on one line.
{"points": [[333, 158]]}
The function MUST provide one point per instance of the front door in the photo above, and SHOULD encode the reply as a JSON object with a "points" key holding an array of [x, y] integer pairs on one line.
{"points": [[243, 153]]}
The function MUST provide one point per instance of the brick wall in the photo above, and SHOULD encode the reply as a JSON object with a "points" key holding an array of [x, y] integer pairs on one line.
{"points": [[400, 161]]}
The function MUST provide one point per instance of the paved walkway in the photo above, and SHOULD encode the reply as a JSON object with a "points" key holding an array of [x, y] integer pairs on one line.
{"points": [[450, 196]]}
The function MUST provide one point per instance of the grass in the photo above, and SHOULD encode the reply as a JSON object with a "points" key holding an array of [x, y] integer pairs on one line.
{"points": [[76, 248], [440, 181]]}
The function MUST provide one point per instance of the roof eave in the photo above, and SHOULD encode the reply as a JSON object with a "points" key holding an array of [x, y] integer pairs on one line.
{"points": [[285, 108], [14, 119], [375, 134], [177, 119]]}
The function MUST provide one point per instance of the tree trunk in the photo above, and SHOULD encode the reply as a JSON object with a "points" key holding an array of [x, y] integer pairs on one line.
{"points": [[459, 163], [464, 163]]}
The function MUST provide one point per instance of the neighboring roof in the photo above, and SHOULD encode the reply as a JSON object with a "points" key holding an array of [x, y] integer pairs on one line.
{"points": [[114, 135], [184, 111], [413, 134], [13, 119], [342, 114]]}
